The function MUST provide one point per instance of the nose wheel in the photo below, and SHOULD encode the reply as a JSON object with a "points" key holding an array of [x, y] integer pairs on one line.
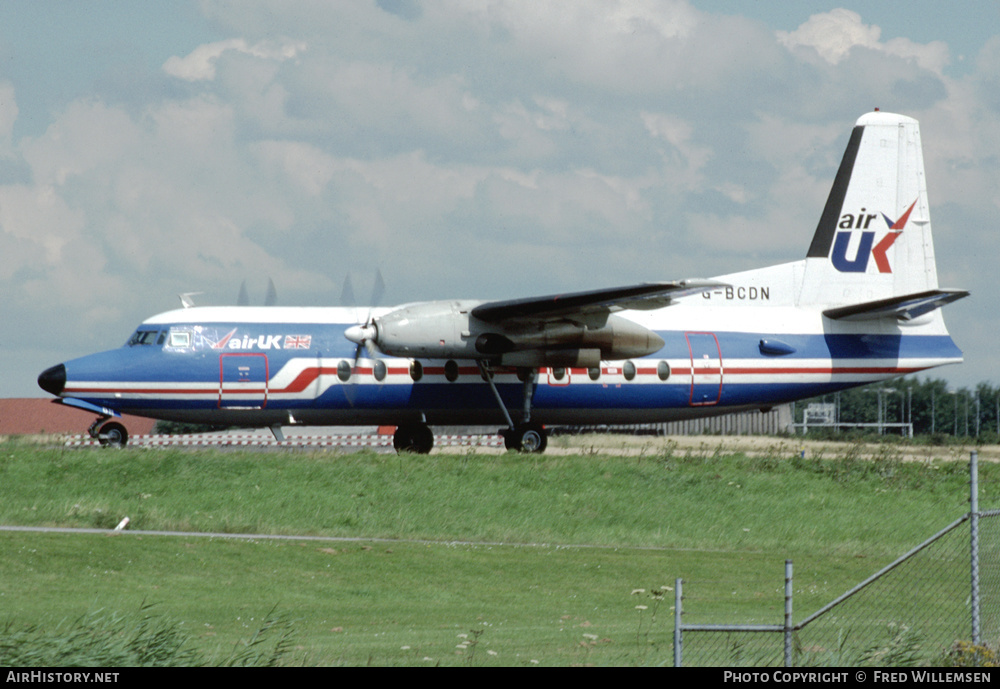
{"points": [[111, 434]]}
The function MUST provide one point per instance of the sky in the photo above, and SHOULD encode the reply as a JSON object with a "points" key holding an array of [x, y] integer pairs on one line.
{"points": [[489, 149]]}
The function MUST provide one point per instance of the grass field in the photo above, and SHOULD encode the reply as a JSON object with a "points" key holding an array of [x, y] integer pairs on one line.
{"points": [[484, 559]]}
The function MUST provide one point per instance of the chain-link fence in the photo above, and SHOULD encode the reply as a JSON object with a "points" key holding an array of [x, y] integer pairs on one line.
{"points": [[912, 612]]}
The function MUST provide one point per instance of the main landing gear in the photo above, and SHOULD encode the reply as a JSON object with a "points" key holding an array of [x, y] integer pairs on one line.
{"points": [[111, 434], [413, 437], [526, 436]]}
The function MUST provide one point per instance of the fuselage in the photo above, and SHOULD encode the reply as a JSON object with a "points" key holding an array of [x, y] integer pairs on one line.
{"points": [[724, 351]]}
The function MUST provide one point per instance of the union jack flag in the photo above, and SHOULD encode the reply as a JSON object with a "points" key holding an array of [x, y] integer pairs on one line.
{"points": [[298, 341]]}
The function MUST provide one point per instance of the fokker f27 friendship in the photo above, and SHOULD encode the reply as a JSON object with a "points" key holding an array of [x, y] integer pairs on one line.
{"points": [[862, 306]]}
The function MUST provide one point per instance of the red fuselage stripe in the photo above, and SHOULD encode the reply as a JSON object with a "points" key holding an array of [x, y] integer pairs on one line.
{"points": [[309, 376]]}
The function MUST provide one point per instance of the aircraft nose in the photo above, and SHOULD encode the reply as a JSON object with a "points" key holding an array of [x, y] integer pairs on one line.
{"points": [[53, 380]]}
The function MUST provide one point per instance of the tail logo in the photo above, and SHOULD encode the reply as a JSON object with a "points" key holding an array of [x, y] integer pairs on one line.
{"points": [[866, 246]]}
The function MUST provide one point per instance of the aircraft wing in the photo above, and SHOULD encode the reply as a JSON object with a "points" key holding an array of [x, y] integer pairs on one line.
{"points": [[592, 303], [905, 307]]}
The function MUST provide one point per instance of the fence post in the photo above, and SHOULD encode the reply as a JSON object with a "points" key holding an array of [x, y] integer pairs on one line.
{"points": [[677, 623], [974, 542], [788, 613]]}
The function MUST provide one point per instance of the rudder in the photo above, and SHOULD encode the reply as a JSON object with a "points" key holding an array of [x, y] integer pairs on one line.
{"points": [[873, 240]]}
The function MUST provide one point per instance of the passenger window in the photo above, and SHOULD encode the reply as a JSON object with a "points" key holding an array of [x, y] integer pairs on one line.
{"points": [[180, 339], [629, 370], [344, 370], [663, 370], [416, 370]]}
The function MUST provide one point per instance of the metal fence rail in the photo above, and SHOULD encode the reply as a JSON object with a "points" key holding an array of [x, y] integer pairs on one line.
{"points": [[290, 441]]}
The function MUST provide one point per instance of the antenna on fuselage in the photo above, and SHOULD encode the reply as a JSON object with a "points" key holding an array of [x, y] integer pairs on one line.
{"points": [[186, 301]]}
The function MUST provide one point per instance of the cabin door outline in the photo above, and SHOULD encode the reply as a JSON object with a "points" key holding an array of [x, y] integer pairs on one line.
{"points": [[243, 381], [706, 369]]}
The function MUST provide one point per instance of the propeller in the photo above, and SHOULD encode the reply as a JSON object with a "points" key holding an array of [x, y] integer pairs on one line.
{"points": [[365, 333]]}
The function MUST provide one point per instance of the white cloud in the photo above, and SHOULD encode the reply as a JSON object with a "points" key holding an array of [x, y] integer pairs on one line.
{"points": [[200, 63], [620, 45], [39, 217], [166, 198], [87, 137], [306, 166], [833, 34], [529, 130], [588, 24], [684, 160]]}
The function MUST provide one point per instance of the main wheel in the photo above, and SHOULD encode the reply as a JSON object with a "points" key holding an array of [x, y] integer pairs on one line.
{"points": [[528, 437], [413, 437], [113, 434]]}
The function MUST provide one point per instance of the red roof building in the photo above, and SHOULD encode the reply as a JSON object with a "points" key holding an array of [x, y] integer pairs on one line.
{"points": [[30, 416]]}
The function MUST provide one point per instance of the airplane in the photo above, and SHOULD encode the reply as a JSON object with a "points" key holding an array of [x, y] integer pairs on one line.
{"points": [[862, 306]]}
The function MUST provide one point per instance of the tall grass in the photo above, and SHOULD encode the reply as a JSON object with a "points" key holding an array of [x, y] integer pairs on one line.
{"points": [[102, 638], [354, 603]]}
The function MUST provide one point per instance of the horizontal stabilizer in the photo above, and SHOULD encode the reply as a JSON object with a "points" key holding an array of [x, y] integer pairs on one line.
{"points": [[905, 307]]}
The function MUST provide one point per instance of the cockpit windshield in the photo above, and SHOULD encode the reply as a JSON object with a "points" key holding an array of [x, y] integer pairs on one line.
{"points": [[144, 336], [173, 338]]}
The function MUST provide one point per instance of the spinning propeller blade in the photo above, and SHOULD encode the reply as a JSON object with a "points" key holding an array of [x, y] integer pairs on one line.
{"points": [[270, 299], [243, 298], [365, 332]]}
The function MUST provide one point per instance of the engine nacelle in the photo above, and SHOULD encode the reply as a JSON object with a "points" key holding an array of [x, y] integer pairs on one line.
{"points": [[447, 330], [430, 330]]}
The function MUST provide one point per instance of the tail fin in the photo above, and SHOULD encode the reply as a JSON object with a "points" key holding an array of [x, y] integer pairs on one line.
{"points": [[873, 241]]}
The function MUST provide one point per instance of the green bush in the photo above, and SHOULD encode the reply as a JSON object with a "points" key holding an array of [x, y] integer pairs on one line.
{"points": [[968, 654]]}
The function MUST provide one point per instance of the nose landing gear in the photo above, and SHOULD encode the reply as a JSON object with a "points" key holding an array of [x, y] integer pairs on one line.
{"points": [[111, 434]]}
